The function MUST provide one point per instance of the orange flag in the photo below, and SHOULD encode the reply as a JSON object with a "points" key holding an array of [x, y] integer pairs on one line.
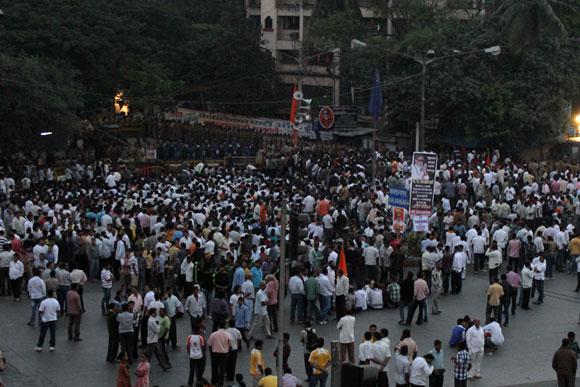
{"points": [[342, 261]]}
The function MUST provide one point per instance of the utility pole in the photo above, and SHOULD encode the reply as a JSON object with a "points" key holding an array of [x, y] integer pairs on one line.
{"points": [[300, 44], [281, 293], [421, 146]]}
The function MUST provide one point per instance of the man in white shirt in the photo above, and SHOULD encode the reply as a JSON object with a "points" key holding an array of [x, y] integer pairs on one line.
{"points": [[381, 356], [539, 269], [15, 274], [496, 336], [371, 256], [36, 292], [325, 298], [346, 338], [308, 204], [341, 292], [475, 340], [478, 249], [458, 268], [421, 368], [298, 297], [48, 310], [365, 350]]}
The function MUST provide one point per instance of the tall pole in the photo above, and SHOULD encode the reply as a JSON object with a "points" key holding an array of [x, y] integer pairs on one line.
{"points": [[300, 42], [374, 154], [281, 293], [422, 123]]}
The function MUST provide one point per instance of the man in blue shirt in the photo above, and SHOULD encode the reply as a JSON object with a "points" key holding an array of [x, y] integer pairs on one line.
{"points": [[436, 378], [457, 333], [243, 319]]}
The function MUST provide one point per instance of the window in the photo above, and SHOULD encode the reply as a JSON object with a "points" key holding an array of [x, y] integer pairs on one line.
{"points": [[289, 22], [268, 23]]}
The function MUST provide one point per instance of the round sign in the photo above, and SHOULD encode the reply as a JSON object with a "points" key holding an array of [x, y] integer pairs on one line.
{"points": [[326, 117]]}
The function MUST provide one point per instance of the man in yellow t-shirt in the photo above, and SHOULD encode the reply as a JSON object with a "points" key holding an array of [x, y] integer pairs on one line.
{"points": [[494, 294], [269, 380], [320, 362], [257, 365]]}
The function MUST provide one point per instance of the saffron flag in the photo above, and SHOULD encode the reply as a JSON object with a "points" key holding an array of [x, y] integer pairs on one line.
{"points": [[342, 262]]}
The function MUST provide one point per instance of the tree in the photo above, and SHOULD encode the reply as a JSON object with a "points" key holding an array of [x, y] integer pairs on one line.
{"points": [[150, 49], [517, 99], [529, 22], [37, 96]]}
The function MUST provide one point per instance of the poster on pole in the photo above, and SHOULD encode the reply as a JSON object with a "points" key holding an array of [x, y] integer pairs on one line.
{"points": [[420, 223], [422, 183], [398, 220]]}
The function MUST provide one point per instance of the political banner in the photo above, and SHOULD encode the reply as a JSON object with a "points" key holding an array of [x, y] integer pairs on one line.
{"points": [[255, 124], [422, 182], [399, 198], [420, 223], [398, 220]]}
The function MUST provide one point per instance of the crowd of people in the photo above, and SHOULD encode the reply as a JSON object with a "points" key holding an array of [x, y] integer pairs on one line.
{"points": [[206, 245]]}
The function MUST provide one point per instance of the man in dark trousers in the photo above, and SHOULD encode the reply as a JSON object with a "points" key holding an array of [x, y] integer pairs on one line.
{"points": [[564, 363]]}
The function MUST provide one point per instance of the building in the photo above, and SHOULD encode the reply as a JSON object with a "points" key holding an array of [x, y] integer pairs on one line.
{"points": [[284, 25]]}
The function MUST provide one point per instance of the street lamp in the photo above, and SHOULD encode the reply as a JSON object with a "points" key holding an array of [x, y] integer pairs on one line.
{"points": [[425, 62]]}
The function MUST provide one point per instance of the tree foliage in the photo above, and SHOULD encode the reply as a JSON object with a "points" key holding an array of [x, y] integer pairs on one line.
{"points": [[153, 50], [516, 99]]}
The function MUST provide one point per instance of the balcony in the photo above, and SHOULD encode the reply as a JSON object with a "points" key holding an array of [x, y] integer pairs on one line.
{"points": [[288, 35], [294, 4]]}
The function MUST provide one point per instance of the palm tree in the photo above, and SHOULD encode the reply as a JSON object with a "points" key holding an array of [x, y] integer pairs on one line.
{"points": [[527, 22]]}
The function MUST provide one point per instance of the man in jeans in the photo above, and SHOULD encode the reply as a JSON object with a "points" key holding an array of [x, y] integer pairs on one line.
{"points": [[297, 296], [107, 285], [36, 292], [48, 310], [326, 292], [420, 292]]}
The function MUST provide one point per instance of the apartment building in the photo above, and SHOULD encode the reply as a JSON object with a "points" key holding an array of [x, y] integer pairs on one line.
{"points": [[284, 25]]}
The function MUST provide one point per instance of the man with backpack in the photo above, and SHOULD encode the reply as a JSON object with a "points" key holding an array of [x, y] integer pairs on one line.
{"points": [[309, 339]]}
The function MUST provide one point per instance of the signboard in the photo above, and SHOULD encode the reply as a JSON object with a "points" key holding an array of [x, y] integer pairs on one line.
{"points": [[421, 223], [398, 220], [422, 182], [151, 153], [399, 198], [346, 118], [326, 117]]}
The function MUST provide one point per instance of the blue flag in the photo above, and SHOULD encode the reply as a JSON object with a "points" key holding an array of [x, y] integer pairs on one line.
{"points": [[376, 101]]}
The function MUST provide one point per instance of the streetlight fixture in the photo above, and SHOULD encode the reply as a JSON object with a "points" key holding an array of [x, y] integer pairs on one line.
{"points": [[45, 133], [425, 62]]}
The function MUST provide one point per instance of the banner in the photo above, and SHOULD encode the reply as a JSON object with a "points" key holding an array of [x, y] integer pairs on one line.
{"points": [[422, 182], [254, 124], [399, 198], [420, 223], [398, 220]]}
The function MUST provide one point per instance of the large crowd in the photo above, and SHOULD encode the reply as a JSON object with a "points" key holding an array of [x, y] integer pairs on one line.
{"points": [[206, 244]]}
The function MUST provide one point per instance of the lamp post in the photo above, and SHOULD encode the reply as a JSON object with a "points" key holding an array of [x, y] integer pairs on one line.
{"points": [[425, 62]]}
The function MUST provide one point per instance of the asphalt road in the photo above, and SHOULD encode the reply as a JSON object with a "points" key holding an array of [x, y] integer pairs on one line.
{"points": [[525, 359]]}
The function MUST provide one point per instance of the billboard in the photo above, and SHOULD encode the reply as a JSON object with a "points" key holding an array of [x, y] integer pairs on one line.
{"points": [[422, 182]]}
